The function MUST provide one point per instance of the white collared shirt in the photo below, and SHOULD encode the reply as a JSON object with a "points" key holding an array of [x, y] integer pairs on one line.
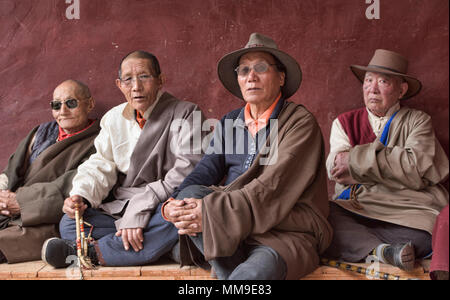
{"points": [[114, 145]]}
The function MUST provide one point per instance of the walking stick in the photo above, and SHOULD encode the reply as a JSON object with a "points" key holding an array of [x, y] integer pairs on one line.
{"points": [[82, 242], [361, 270]]}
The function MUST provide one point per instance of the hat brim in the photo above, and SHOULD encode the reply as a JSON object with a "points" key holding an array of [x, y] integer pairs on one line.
{"points": [[414, 85], [229, 62]]}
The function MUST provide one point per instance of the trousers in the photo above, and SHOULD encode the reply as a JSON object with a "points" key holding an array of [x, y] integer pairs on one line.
{"points": [[160, 237], [249, 262], [356, 236]]}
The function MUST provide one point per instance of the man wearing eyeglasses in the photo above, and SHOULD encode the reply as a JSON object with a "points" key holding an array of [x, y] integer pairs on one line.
{"points": [[141, 158], [39, 174], [268, 221]]}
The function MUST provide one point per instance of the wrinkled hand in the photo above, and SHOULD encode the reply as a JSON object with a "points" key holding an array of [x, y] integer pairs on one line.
{"points": [[70, 203], [187, 218], [175, 208], [341, 171], [8, 204], [133, 236]]}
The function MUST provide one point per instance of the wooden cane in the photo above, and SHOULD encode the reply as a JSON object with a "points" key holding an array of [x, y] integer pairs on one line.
{"points": [[82, 242], [361, 270]]}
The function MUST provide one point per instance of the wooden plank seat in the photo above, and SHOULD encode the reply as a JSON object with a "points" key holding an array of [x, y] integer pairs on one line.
{"points": [[167, 270]]}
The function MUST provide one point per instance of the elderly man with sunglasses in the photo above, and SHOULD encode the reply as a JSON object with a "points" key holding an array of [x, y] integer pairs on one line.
{"points": [[268, 221], [144, 151], [38, 176]]}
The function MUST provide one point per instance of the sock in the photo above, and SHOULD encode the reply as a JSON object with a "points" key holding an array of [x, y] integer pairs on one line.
{"points": [[378, 252]]}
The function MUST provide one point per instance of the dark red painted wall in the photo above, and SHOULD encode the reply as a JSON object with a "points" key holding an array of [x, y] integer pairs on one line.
{"points": [[40, 47]]}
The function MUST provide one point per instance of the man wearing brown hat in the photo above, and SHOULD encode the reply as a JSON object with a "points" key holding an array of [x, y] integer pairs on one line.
{"points": [[268, 221], [387, 165]]}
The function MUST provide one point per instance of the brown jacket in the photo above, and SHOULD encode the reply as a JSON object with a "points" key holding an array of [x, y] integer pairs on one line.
{"points": [[40, 191], [400, 182], [284, 205]]}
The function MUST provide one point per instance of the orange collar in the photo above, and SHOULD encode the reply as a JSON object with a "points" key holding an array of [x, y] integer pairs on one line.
{"points": [[256, 125], [62, 135], [140, 119]]}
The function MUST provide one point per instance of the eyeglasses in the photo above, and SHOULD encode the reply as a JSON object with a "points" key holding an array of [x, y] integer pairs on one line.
{"points": [[70, 103], [128, 81], [260, 67]]}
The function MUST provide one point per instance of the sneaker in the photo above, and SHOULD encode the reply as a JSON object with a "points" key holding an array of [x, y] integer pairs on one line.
{"points": [[400, 255], [57, 252]]}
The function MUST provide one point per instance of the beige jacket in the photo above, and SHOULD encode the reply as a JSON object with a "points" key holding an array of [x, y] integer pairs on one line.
{"points": [[160, 158], [400, 182]]}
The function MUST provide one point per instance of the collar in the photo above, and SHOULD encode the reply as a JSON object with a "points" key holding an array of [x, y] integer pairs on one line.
{"points": [[129, 112], [63, 135], [389, 113], [264, 118]]}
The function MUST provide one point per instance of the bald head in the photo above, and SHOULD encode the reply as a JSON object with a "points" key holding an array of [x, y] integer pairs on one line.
{"points": [[81, 90], [72, 119]]}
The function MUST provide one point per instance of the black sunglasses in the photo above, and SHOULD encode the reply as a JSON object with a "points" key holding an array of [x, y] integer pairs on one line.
{"points": [[70, 103]]}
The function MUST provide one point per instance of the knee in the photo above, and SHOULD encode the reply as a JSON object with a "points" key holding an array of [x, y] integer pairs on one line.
{"points": [[194, 191], [67, 228]]}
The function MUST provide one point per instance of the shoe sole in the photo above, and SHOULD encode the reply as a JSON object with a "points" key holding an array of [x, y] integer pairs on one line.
{"points": [[407, 258], [44, 248]]}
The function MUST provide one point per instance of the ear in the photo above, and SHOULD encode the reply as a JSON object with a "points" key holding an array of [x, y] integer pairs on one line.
{"points": [[404, 88], [91, 104], [282, 78], [118, 84], [162, 80]]}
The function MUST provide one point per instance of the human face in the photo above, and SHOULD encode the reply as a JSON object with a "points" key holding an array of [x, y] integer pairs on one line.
{"points": [[143, 88], [260, 89], [382, 91], [71, 120]]}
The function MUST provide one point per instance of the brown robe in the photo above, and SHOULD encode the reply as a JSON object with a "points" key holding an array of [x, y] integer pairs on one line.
{"points": [[400, 182], [283, 205], [40, 191]]}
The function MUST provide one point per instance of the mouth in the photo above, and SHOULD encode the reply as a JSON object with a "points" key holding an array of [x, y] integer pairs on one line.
{"points": [[138, 98], [253, 89]]}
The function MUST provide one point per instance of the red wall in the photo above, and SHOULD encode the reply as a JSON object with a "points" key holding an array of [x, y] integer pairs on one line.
{"points": [[40, 47]]}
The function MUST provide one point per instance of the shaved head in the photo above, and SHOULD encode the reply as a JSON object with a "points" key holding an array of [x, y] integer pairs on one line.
{"points": [[82, 90]]}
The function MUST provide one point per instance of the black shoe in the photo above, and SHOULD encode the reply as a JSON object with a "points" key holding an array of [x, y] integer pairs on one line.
{"points": [[61, 253], [2, 258], [400, 255]]}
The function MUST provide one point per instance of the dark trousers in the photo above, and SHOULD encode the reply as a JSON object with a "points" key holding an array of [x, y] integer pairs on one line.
{"points": [[249, 262], [356, 236], [159, 238]]}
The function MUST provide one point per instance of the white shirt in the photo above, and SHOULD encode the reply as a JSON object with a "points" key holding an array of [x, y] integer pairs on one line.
{"points": [[114, 145], [340, 142]]}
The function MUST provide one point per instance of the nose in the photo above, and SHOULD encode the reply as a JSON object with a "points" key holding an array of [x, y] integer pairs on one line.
{"points": [[136, 84], [63, 108], [251, 75], [372, 87]]}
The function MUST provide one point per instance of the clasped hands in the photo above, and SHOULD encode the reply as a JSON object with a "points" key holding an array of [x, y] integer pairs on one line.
{"points": [[133, 237], [341, 172], [185, 214], [8, 204]]}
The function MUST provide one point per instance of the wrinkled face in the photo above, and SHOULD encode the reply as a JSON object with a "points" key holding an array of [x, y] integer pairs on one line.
{"points": [[258, 88], [382, 91], [71, 120], [138, 83]]}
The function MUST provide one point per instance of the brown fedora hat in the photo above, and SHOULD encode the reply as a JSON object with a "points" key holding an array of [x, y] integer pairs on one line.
{"points": [[391, 63], [259, 42]]}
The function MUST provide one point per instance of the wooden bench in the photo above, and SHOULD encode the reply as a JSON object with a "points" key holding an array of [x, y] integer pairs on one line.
{"points": [[167, 270]]}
